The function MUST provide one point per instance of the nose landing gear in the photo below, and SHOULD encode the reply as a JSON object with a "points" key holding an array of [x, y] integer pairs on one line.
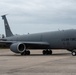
{"points": [[73, 53]]}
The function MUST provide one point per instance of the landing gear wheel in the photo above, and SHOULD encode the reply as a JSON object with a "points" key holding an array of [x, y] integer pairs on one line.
{"points": [[50, 52], [44, 52], [47, 52], [26, 52], [22, 53], [73, 53]]}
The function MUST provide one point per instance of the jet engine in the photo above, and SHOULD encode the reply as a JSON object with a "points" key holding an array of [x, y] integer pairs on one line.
{"points": [[18, 47]]}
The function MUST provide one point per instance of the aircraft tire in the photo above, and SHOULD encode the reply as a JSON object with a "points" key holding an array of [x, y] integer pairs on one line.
{"points": [[50, 52], [47, 52], [44, 52], [25, 53], [73, 53]]}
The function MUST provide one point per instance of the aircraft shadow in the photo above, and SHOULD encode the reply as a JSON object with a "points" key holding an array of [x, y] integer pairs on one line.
{"points": [[58, 54]]}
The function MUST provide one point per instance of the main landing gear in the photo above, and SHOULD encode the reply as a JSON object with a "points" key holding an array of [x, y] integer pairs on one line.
{"points": [[47, 52], [26, 52]]}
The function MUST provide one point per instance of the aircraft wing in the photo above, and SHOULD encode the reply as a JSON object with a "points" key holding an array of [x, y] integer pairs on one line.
{"points": [[28, 44]]}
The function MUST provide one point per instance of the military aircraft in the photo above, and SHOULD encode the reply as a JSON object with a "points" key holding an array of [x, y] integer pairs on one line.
{"points": [[64, 39]]}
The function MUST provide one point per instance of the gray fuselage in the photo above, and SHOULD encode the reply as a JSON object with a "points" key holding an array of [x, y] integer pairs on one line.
{"points": [[65, 39]]}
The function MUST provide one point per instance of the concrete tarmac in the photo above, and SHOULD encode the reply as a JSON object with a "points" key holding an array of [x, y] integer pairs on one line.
{"points": [[60, 63]]}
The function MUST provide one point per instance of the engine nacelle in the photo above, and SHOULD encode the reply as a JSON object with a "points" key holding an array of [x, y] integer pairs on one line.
{"points": [[18, 47]]}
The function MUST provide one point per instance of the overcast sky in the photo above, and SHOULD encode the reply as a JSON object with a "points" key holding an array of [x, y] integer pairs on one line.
{"points": [[35, 16]]}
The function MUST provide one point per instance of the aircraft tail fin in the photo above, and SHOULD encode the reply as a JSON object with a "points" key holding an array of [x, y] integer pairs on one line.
{"points": [[8, 31]]}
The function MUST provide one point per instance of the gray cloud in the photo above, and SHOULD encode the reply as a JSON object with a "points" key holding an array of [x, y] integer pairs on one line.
{"points": [[39, 15]]}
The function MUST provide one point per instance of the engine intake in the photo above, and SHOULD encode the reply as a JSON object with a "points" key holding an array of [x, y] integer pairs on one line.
{"points": [[18, 47]]}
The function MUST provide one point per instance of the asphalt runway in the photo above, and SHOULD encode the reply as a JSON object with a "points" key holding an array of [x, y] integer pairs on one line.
{"points": [[60, 63]]}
